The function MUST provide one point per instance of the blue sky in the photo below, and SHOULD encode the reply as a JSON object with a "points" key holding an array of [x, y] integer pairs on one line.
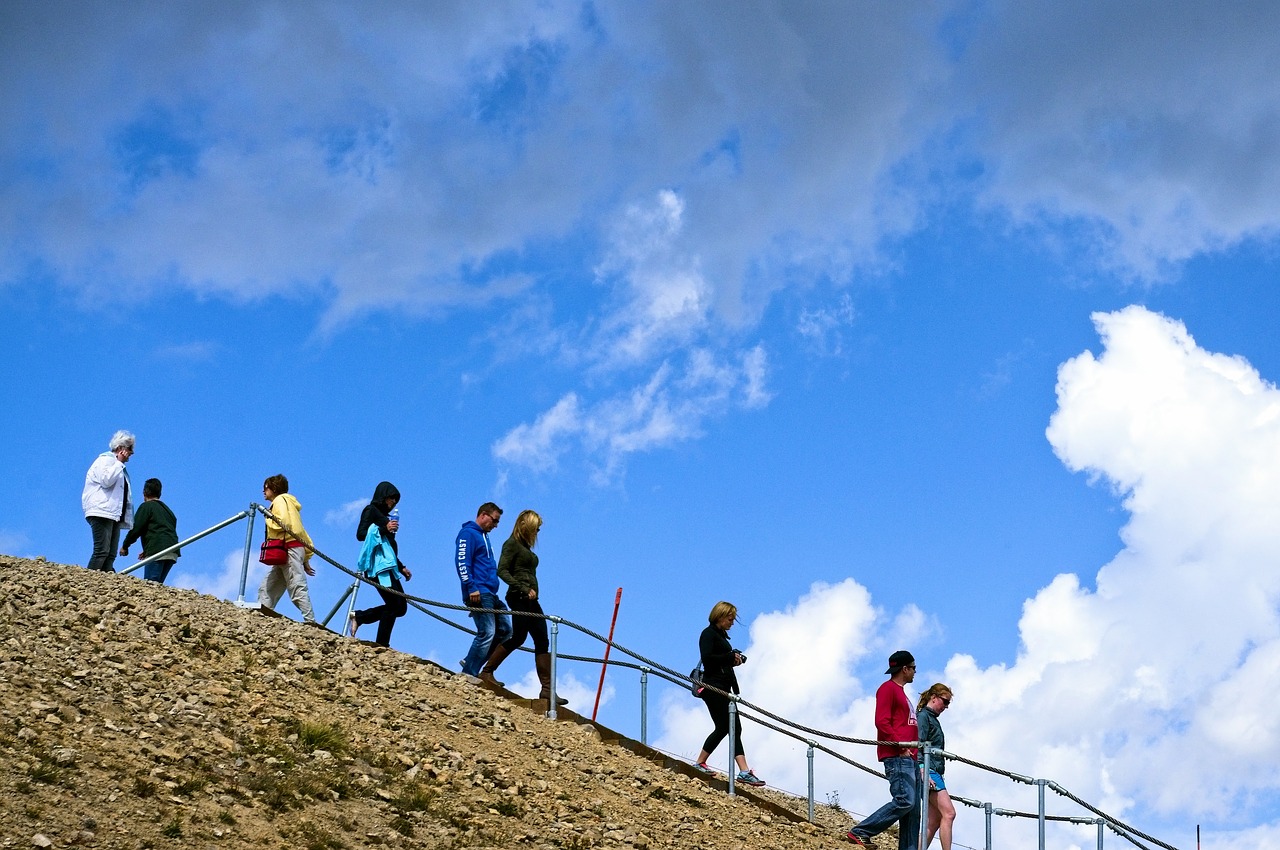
{"points": [[949, 328]]}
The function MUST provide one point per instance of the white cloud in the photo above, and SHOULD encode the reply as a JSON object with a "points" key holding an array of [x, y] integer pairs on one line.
{"points": [[800, 665], [1163, 670], [581, 695], [346, 514], [752, 147], [1157, 671], [823, 327], [225, 583], [1152, 125], [669, 407], [666, 298]]}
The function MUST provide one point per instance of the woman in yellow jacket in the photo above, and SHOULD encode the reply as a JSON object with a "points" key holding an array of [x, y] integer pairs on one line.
{"points": [[292, 574]]}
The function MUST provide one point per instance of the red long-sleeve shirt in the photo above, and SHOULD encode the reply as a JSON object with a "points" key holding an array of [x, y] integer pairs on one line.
{"points": [[895, 720]]}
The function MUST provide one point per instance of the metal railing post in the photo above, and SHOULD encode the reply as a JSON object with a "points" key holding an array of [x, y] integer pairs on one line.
{"points": [[986, 807], [923, 785], [1040, 783], [1100, 822], [810, 757], [349, 593], [733, 734], [248, 547], [644, 705], [551, 694], [157, 556]]}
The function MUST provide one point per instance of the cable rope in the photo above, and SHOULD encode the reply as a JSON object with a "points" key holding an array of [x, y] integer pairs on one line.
{"points": [[1119, 827]]}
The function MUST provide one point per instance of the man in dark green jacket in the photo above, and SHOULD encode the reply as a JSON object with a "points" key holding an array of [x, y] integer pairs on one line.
{"points": [[158, 528]]}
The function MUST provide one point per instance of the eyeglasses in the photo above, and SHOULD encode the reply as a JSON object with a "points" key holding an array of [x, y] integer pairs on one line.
{"points": [[945, 700]]}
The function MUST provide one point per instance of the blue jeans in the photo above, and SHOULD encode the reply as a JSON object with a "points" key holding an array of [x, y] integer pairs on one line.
{"points": [[157, 571], [903, 809], [488, 627]]}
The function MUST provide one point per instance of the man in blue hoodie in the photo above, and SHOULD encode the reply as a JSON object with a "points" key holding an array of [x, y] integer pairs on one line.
{"points": [[478, 572]]}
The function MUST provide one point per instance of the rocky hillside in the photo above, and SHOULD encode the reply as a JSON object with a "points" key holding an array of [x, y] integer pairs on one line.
{"points": [[136, 716]]}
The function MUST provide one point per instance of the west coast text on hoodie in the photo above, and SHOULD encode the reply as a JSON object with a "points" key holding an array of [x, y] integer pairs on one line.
{"points": [[473, 559]]}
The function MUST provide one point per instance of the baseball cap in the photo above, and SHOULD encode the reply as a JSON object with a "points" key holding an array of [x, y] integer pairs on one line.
{"points": [[900, 659]]}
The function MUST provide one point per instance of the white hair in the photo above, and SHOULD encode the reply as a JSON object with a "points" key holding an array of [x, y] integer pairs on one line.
{"points": [[121, 438]]}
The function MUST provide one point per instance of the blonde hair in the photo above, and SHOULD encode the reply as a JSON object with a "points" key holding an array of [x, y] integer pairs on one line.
{"points": [[937, 689], [721, 610], [527, 526]]}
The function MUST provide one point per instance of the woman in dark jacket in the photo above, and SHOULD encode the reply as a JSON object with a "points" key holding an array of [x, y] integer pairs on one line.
{"points": [[942, 812], [377, 512], [718, 660], [518, 567]]}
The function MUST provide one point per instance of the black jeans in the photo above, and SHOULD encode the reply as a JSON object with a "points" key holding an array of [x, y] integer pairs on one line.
{"points": [[106, 543], [385, 615], [718, 708], [522, 627]]}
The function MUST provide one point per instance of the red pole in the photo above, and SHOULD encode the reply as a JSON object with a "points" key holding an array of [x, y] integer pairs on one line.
{"points": [[617, 600]]}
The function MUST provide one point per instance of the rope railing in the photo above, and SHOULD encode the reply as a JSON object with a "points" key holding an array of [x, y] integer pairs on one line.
{"points": [[647, 665]]}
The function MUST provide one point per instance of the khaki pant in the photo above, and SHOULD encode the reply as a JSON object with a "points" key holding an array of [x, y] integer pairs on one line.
{"points": [[290, 576]]}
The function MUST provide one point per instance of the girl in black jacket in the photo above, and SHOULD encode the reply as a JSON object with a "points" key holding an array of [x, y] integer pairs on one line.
{"points": [[718, 660], [377, 512], [518, 567]]}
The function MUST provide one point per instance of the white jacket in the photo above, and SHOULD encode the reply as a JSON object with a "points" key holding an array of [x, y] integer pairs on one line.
{"points": [[104, 486]]}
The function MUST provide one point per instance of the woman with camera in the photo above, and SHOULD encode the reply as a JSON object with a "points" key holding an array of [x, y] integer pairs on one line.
{"points": [[718, 660]]}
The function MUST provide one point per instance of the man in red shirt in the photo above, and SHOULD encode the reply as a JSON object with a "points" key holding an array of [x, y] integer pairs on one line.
{"points": [[895, 721]]}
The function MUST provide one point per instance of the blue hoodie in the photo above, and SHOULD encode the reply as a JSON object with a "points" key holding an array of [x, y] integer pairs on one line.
{"points": [[474, 559]]}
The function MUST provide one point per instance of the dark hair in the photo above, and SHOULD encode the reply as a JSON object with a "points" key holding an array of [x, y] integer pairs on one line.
{"points": [[277, 484], [151, 488], [489, 508]]}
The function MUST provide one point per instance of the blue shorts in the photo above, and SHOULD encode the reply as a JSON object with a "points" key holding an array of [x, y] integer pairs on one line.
{"points": [[936, 779]]}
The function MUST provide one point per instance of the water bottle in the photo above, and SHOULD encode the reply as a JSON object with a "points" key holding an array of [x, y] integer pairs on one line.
{"points": [[394, 516]]}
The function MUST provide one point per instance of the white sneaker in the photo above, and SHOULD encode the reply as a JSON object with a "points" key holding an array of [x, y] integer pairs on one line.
{"points": [[467, 677]]}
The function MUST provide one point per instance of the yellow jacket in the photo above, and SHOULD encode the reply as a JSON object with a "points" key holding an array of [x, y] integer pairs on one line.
{"points": [[288, 511]]}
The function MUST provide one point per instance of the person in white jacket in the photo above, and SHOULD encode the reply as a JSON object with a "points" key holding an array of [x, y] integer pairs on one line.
{"points": [[107, 500]]}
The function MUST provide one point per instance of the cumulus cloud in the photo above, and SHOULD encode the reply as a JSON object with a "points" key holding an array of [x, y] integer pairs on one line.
{"points": [[581, 695], [802, 663], [224, 581], [1159, 667]]}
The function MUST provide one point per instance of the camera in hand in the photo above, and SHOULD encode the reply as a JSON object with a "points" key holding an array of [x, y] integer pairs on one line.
{"points": [[742, 659]]}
